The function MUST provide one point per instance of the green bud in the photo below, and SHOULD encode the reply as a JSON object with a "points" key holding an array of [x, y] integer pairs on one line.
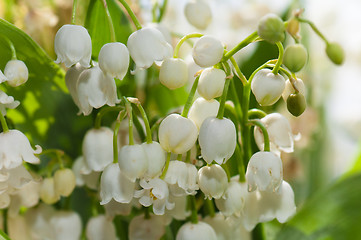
{"points": [[335, 53], [271, 28], [293, 27], [296, 104], [295, 57]]}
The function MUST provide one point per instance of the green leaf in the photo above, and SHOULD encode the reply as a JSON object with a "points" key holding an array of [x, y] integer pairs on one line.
{"points": [[3, 236], [98, 27], [333, 213]]}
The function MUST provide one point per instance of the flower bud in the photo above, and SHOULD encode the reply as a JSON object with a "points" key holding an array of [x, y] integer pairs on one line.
{"points": [[114, 59], [217, 139], [133, 161], [295, 57], [202, 109], [177, 134], [16, 73], [148, 45], [212, 181], [173, 73], [334, 52], [234, 199], [271, 28], [207, 51], [211, 83], [64, 182], [198, 13], [267, 87], [47, 191], [293, 27], [200, 230], [155, 157], [289, 89], [72, 44], [265, 172], [296, 104]]}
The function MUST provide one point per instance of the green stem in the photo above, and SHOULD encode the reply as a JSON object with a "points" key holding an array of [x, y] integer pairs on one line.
{"points": [[241, 163], [225, 91], [273, 61], [210, 208], [146, 212], [188, 156], [4, 125], [102, 112], [154, 11], [110, 21], [131, 14], [166, 166], [256, 113], [280, 58], [245, 129], [129, 110], [162, 11], [12, 48], [183, 39], [146, 122], [259, 124], [237, 104], [240, 45], [314, 28], [139, 127], [73, 15], [179, 157], [188, 104], [258, 232], [5, 216], [238, 71], [194, 216], [120, 117]]}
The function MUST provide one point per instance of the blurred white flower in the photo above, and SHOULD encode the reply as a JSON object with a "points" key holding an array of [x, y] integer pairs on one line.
{"points": [[85, 176], [180, 210], [211, 83], [7, 102], [66, 225], [15, 148], [207, 51], [72, 44], [16, 73], [114, 208], [2, 77], [212, 181], [202, 109], [200, 230], [64, 182], [234, 199], [71, 81], [47, 191], [198, 13], [142, 228], [99, 228]]}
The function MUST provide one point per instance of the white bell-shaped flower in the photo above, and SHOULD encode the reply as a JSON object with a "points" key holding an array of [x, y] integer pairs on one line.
{"points": [[115, 185], [182, 178], [114, 208], [290, 90], [133, 161], [279, 133], [2, 77], [99, 228], [148, 45], [16, 73], [177, 134], [156, 159], [98, 148], [72, 45], [71, 81], [66, 225], [180, 210], [264, 172], [141, 228], [7, 102], [26, 196], [223, 229], [15, 148], [234, 199], [114, 60], [202, 109], [95, 89], [85, 176], [212, 181], [15, 178], [155, 192], [198, 13], [47, 191], [199, 231], [267, 87], [38, 221], [64, 182], [211, 83], [173, 73], [217, 139], [17, 228], [207, 51]]}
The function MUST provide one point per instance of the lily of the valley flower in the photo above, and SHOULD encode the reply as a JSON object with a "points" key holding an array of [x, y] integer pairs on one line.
{"points": [[234, 199], [66, 225], [64, 182], [100, 227], [180, 211], [264, 172], [7, 102], [217, 139], [198, 13], [71, 81], [167, 71], [14, 148], [289, 88], [207, 51], [95, 89], [72, 45], [133, 161], [200, 230], [212, 181], [2, 77], [202, 109], [148, 45], [47, 191], [155, 157], [211, 83], [16, 73], [114, 60], [152, 228], [85, 176]]}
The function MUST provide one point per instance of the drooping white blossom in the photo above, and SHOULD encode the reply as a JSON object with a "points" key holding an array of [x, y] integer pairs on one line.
{"points": [[100, 227], [72, 44], [207, 51], [133, 161], [199, 231], [173, 73], [15, 148], [85, 176], [26, 196], [141, 228], [71, 81], [66, 225], [212, 181], [114, 208], [217, 139], [267, 87], [114, 60], [234, 199], [211, 83], [7, 102], [148, 45], [16, 73], [95, 89], [264, 172], [180, 210], [155, 157], [290, 90], [177, 134], [198, 13], [202, 109], [2, 77]]}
